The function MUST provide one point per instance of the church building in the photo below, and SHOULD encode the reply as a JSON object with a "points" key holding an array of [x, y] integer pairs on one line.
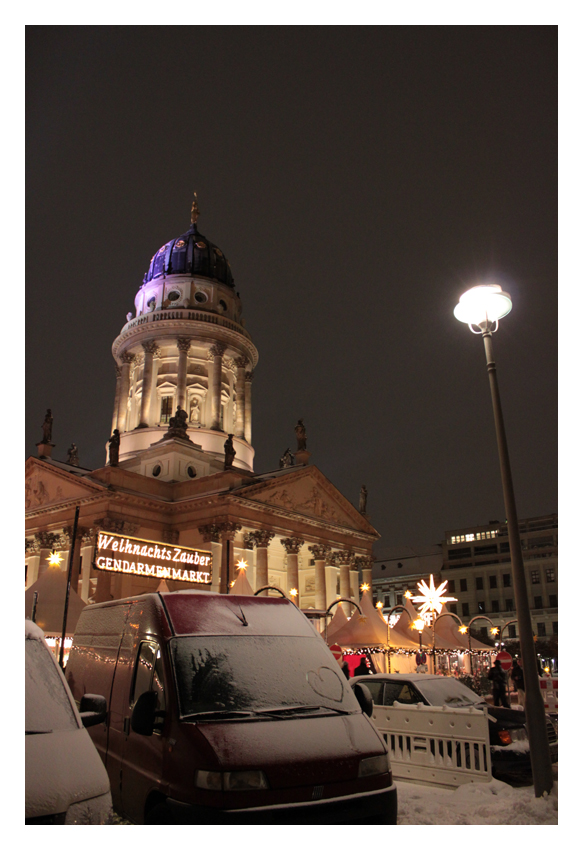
{"points": [[177, 503]]}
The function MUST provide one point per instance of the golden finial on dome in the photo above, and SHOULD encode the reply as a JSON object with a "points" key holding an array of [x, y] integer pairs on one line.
{"points": [[194, 210]]}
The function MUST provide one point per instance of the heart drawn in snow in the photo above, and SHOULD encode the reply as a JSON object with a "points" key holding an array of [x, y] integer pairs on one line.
{"points": [[326, 683]]}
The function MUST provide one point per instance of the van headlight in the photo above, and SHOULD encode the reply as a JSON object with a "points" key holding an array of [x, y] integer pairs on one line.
{"points": [[374, 765], [233, 780]]}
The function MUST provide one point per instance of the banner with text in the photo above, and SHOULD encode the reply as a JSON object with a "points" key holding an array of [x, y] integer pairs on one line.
{"points": [[119, 554]]}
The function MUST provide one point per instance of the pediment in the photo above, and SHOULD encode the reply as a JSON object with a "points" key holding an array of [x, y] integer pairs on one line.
{"points": [[308, 492], [46, 485]]}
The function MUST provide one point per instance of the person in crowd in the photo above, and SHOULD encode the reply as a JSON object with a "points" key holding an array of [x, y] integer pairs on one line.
{"points": [[362, 669], [517, 676], [498, 678]]}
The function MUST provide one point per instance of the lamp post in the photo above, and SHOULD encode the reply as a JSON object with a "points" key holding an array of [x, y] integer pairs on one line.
{"points": [[482, 307]]}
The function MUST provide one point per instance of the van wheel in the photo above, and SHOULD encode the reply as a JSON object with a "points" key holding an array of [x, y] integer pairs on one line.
{"points": [[161, 814]]}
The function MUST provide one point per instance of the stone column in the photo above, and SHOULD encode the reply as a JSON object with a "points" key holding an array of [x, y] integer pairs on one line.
{"points": [[320, 551], [344, 561], [75, 555], [150, 348], [87, 542], [217, 352], [117, 398], [228, 532], [240, 363], [261, 540], [32, 550], [183, 349], [365, 563], [292, 546], [124, 392], [212, 534], [248, 381]]}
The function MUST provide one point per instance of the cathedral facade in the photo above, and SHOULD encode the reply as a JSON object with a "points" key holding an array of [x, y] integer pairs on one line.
{"points": [[177, 503]]}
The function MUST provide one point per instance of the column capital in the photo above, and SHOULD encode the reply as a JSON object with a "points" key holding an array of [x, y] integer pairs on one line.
{"points": [[211, 533], [183, 343], [320, 551], [241, 362], [218, 349], [48, 540], [337, 559], [260, 539], [128, 358], [365, 562], [31, 547], [292, 545], [249, 376], [228, 529], [151, 347]]}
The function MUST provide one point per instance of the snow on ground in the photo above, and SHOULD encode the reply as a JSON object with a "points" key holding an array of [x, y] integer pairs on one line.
{"points": [[495, 803]]}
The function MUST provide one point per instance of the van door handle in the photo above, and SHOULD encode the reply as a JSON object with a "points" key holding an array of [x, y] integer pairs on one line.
{"points": [[126, 725]]}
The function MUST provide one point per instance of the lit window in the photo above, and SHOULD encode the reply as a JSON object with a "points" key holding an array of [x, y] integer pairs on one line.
{"points": [[550, 574], [166, 409], [535, 576]]}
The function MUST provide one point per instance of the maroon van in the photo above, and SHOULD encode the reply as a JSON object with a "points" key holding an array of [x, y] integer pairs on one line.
{"points": [[227, 709]]}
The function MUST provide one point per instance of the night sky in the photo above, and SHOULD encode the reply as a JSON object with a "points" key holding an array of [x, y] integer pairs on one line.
{"points": [[358, 179]]}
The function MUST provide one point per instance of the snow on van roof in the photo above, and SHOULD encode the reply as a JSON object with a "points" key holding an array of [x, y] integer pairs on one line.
{"points": [[32, 631], [211, 614]]}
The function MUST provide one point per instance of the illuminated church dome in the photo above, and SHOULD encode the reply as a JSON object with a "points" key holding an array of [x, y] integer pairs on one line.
{"points": [[191, 254], [186, 347]]}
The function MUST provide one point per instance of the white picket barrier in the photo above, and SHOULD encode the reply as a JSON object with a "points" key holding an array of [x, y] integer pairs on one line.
{"points": [[436, 746]]}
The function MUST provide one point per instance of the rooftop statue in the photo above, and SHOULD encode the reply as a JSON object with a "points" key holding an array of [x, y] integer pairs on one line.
{"points": [[229, 452], [114, 442], [301, 435], [47, 427]]}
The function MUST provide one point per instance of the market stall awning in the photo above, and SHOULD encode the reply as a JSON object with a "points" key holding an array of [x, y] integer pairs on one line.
{"points": [[241, 586], [362, 630], [52, 588]]}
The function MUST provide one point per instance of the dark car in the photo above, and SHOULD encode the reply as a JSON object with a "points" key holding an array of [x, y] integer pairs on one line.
{"points": [[509, 744]]}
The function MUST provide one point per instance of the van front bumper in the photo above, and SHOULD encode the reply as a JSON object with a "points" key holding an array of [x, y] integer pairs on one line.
{"points": [[373, 807]]}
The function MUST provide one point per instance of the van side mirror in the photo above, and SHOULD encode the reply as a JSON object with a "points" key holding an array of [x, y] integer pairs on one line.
{"points": [[364, 698], [93, 710], [144, 713]]}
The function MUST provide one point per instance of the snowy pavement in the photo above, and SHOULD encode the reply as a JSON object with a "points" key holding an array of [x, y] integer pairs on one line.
{"points": [[495, 803]]}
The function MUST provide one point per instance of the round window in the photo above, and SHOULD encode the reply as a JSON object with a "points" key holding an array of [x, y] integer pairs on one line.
{"points": [[174, 295], [201, 297], [157, 470], [191, 472]]}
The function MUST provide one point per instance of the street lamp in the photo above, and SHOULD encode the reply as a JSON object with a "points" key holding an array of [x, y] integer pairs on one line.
{"points": [[482, 307]]}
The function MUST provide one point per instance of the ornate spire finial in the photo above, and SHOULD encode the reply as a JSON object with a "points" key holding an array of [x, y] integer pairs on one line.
{"points": [[194, 210]]}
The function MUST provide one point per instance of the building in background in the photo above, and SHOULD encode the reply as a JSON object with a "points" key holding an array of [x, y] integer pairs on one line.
{"points": [[476, 564], [177, 502], [475, 561]]}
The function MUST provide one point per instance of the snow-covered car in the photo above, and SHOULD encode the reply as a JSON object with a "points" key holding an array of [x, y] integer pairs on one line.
{"points": [[66, 782], [509, 745]]}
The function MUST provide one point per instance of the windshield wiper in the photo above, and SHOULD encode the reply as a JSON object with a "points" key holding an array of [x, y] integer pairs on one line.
{"points": [[276, 712], [218, 714]]}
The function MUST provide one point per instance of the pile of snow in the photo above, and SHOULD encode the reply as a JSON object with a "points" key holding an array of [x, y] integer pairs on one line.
{"points": [[495, 803]]}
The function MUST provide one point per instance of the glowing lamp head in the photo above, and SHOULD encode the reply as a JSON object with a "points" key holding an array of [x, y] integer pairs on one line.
{"points": [[418, 624], [293, 591], [494, 631], [463, 629], [483, 305]]}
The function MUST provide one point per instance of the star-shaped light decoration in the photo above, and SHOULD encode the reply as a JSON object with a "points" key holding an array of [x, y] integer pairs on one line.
{"points": [[364, 587], [54, 559], [242, 564], [432, 597]]}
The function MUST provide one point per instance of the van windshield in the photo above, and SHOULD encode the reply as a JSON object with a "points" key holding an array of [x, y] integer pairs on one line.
{"points": [[228, 674], [47, 705]]}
